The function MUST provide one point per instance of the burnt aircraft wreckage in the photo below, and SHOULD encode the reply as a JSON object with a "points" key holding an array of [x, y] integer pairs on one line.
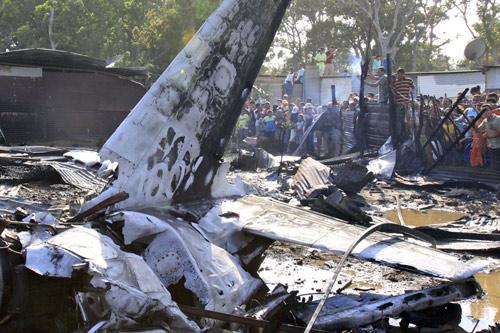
{"points": [[166, 245]]}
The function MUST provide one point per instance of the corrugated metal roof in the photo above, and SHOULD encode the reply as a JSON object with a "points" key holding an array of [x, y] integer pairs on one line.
{"points": [[64, 59], [78, 176], [311, 174]]}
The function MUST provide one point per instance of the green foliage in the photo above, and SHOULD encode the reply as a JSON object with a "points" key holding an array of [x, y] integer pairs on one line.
{"points": [[488, 29], [346, 26], [144, 32]]}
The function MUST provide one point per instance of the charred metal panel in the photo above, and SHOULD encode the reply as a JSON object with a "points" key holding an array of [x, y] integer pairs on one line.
{"points": [[68, 105], [282, 222], [344, 312], [64, 59], [377, 127], [169, 147]]}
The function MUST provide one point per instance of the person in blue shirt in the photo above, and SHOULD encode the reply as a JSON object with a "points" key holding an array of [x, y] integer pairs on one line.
{"points": [[269, 124], [470, 115], [300, 74]]}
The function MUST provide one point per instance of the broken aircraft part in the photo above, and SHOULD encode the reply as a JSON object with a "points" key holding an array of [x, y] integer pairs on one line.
{"points": [[344, 312], [169, 151], [169, 147], [275, 220]]}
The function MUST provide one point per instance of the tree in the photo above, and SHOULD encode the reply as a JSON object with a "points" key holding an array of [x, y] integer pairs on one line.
{"points": [[389, 19], [488, 28], [403, 28], [144, 32]]}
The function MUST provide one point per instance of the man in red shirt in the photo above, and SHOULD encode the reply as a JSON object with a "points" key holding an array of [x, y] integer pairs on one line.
{"points": [[329, 62]]}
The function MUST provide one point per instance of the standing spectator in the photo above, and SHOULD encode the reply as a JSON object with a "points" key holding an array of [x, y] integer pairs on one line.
{"points": [[294, 117], [297, 131], [478, 143], [289, 83], [475, 90], [269, 122], [308, 122], [382, 83], [252, 119], [376, 64], [258, 120], [329, 62], [299, 128], [447, 103], [402, 87], [491, 126], [300, 74], [279, 116], [320, 60], [470, 115], [242, 125], [492, 99]]}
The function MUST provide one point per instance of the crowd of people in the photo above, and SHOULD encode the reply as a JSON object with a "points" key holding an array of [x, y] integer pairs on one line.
{"points": [[281, 126], [480, 114]]}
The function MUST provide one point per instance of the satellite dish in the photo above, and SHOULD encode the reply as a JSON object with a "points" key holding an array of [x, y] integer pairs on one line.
{"points": [[475, 49]]}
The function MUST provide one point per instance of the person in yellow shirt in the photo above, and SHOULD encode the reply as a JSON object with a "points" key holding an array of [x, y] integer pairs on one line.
{"points": [[320, 59], [242, 125]]}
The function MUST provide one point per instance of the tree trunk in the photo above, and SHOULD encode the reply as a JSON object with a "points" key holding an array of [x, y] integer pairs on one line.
{"points": [[53, 44]]}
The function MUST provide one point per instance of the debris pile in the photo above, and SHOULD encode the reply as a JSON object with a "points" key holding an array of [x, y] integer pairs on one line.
{"points": [[162, 242]]}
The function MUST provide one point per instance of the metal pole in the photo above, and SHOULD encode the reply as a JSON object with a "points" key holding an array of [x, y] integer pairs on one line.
{"points": [[448, 149], [459, 99]]}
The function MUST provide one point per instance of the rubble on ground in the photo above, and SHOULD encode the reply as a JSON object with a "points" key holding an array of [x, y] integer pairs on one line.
{"points": [[215, 256], [150, 235]]}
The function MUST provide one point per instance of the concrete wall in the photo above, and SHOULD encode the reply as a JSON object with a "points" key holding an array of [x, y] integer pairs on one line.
{"points": [[493, 78], [449, 84], [274, 86], [434, 84], [271, 84], [312, 84], [343, 88]]}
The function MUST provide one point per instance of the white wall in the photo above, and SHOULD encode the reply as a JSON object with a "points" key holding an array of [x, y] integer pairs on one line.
{"points": [[449, 84], [32, 72], [434, 84], [272, 85], [493, 78], [343, 88]]}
